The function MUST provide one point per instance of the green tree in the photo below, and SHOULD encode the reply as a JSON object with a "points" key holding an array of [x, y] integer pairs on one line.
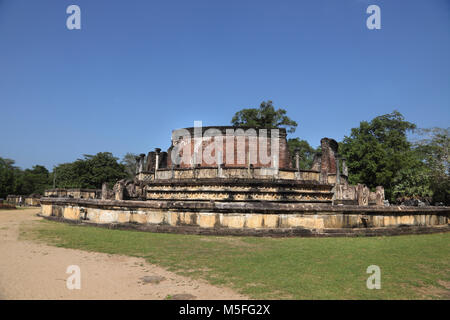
{"points": [[34, 180], [70, 175], [90, 172], [305, 150], [378, 151], [13, 180], [433, 149], [264, 117], [8, 174], [129, 161], [414, 182]]}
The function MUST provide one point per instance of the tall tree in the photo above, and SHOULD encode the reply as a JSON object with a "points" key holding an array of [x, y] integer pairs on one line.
{"points": [[13, 180], [34, 180], [90, 172], [433, 148], [378, 151], [8, 174], [264, 117], [129, 161]]}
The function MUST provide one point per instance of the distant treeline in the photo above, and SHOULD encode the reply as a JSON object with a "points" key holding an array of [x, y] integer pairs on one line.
{"points": [[89, 172], [378, 152]]}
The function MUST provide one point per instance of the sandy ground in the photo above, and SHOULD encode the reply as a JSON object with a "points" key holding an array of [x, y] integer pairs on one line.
{"points": [[31, 270]]}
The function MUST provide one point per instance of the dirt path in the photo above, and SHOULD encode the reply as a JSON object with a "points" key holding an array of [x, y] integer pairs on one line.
{"points": [[30, 270]]}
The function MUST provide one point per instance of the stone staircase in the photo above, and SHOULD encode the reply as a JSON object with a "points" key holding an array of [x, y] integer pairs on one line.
{"points": [[240, 190]]}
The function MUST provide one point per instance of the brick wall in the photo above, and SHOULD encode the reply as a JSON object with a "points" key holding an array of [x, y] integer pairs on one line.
{"points": [[235, 144]]}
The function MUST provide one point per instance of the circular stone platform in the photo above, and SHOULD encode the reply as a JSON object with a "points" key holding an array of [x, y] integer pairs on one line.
{"points": [[248, 218]]}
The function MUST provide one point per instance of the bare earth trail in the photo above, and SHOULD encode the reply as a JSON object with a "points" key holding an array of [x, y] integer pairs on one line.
{"points": [[31, 270]]}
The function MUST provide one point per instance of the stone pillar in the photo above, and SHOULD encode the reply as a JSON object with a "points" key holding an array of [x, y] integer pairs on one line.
{"points": [[363, 195], [104, 191], [157, 152], [138, 160], [141, 162], [219, 164], [297, 159], [118, 191], [157, 155], [379, 196]]}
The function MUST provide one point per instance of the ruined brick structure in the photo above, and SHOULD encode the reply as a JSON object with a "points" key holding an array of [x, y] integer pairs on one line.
{"points": [[240, 190], [245, 144], [326, 161]]}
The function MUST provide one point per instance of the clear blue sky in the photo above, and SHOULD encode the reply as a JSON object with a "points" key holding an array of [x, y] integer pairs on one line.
{"points": [[138, 69]]}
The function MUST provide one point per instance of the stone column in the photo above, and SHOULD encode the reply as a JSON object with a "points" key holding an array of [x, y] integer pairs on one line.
{"points": [[141, 162], [104, 191], [157, 151], [379, 196], [297, 159], [138, 160], [118, 191], [219, 164]]}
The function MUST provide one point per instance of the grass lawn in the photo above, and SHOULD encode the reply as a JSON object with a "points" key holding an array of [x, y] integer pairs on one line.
{"points": [[412, 267]]}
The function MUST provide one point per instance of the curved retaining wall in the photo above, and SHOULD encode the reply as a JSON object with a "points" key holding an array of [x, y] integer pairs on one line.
{"points": [[248, 218]]}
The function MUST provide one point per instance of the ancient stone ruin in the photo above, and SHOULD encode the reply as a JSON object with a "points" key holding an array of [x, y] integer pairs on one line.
{"points": [[227, 180], [32, 200]]}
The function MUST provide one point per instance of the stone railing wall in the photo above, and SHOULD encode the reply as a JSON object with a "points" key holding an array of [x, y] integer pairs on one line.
{"points": [[18, 200], [249, 217], [73, 193], [229, 173]]}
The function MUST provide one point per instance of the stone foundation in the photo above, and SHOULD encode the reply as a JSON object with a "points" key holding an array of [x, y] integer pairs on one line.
{"points": [[210, 217], [29, 201], [73, 193]]}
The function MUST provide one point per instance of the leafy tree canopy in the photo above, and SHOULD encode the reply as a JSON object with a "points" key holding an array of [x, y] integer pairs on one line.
{"points": [[264, 117], [90, 172], [433, 150], [378, 151], [34, 180], [13, 180], [7, 177]]}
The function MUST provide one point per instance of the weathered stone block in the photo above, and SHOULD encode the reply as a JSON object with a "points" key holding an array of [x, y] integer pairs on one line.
{"points": [[254, 221], [155, 217], [71, 213], [270, 220], [233, 221], [207, 220]]}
